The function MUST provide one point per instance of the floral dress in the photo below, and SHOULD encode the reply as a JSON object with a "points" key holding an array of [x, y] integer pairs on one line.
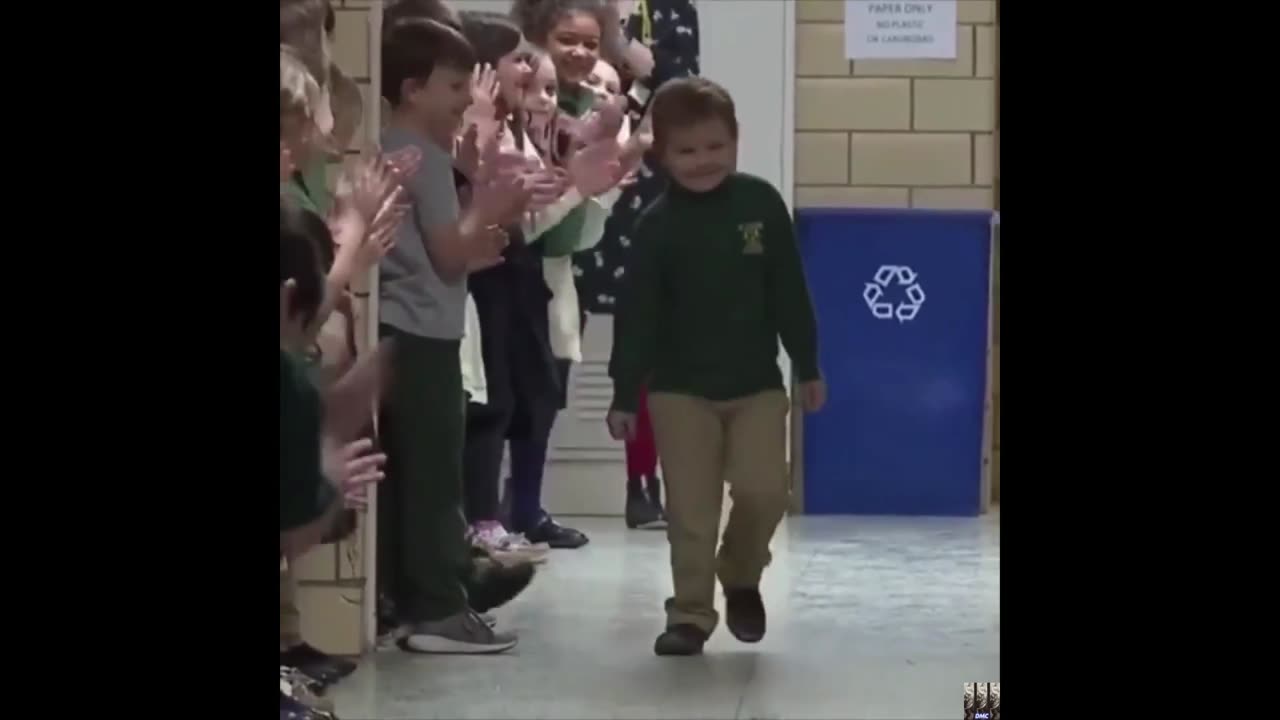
{"points": [[670, 30]]}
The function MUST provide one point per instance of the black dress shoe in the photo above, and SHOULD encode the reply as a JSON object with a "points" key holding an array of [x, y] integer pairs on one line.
{"points": [[493, 584], [555, 535], [681, 640], [744, 614]]}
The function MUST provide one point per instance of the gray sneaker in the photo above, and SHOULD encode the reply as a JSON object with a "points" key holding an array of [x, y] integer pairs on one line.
{"points": [[463, 634]]}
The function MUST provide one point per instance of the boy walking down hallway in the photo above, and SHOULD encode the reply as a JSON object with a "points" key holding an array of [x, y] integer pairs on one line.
{"points": [[715, 282]]}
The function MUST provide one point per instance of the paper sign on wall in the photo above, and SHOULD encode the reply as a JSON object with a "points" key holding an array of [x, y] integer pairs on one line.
{"points": [[899, 29]]}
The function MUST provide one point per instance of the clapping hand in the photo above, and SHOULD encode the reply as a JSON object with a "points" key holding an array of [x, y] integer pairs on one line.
{"points": [[352, 468], [483, 111], [604, 122], [382, 232], [499, 193], [546, 185], [596, 168], [466, 153], [634, 149]]}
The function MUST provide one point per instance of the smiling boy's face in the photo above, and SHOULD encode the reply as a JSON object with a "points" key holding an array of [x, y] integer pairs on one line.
{"points": [[440, 102], [700, 156]]}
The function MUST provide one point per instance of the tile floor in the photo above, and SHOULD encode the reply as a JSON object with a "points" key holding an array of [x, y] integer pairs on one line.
{"points": [[870, 618]]}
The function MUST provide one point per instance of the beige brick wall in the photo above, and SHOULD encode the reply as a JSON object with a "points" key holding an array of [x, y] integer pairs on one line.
{"points": [[894, 133]]}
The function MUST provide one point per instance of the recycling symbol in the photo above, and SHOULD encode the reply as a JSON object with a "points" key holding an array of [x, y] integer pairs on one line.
{"points": [[894, 276]]}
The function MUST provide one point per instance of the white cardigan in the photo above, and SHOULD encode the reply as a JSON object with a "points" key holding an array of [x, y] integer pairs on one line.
{"points": [[563, 311]]}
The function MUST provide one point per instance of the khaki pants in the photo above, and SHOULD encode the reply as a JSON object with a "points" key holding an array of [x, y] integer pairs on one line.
{"points": [[290, 619], [704, 444]]}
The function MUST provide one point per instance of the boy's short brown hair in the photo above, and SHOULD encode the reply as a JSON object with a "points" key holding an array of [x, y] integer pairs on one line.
{"points": [[413, 47], [437, 10], [686, 101]]}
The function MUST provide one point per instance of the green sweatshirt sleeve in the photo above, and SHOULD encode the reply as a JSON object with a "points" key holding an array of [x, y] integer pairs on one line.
{"points": [[789, 293], [563, 238], [635, 320]]}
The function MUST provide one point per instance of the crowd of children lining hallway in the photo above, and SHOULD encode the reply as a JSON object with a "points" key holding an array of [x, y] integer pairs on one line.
{"points": [[533, 168]]}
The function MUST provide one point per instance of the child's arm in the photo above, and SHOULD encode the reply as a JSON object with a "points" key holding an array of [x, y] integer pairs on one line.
{"points": [[351, 229], [789, 293], [600, 207], [635, 329], [448, 233]]}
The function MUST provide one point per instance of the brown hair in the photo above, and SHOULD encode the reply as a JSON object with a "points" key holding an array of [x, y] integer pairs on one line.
{"points": [[302, 27], [437, 10], [686, 101], [412, 49], [493, 35]]}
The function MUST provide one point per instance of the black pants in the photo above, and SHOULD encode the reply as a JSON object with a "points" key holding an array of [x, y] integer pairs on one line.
{"points": [[422, 554], [482, 461], [521, 407], [527, 424]]}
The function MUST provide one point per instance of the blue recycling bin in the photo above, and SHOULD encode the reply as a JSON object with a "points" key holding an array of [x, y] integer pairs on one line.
{"points": [[901, 298]]}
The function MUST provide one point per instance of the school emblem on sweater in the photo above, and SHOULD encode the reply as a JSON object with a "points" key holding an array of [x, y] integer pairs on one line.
{"points": [[752, 238]]}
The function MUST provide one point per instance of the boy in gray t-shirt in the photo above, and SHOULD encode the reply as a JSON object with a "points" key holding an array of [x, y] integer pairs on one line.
{"points": [[422, 553]]}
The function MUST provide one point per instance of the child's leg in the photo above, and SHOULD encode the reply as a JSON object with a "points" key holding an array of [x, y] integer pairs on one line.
{"points": [[690, 437], [482, 461], [529, 448], [528, 465], [423, 430], [642, 451], [756, 468]]}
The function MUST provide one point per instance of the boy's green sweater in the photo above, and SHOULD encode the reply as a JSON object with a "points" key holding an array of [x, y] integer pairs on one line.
{"points": [[714, 282]]}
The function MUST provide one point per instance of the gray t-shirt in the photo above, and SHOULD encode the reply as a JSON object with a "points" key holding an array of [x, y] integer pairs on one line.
{"points": [[411, 296]]}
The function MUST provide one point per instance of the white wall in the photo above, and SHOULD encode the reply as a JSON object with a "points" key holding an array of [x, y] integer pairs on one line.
{"points": [[745, 44]]}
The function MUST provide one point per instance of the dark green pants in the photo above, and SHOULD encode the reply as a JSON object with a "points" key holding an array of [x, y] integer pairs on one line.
{"points": [[422, 554]]}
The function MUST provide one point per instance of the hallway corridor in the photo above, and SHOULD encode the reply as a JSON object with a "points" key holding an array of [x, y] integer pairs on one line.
{"points": [[869, 618]]}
